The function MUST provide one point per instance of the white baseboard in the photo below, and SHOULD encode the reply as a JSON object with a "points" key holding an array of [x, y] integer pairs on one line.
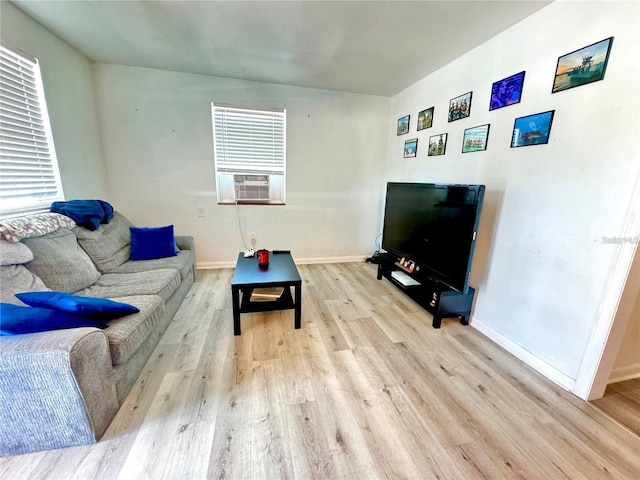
{"points": [[624, 373], [212, 265], [541, 366], [299, 261]]}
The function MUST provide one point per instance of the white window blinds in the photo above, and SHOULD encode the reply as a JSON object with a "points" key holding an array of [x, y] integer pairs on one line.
{"points": [[249, 140], [29, 176]]}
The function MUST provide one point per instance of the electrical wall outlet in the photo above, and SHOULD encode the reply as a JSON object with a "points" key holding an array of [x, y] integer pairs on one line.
{"points": [[253, 239], [201, 212]]}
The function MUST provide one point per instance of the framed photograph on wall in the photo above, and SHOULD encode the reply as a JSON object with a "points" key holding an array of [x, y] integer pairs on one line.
{"points": [[460, 107], [403, 125], [507, 91], [532, 129], [425, 118], [411, 148], [582, 66], [437, 145], [475, 139]]}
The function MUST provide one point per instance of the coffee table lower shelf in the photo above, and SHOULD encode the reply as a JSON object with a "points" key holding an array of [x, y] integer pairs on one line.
{"points": [[285, 302]]}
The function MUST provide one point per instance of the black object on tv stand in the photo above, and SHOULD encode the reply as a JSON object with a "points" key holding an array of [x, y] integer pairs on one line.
{"points": [[438, 299]]}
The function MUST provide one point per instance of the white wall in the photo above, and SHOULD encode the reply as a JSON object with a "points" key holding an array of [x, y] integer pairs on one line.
{"points": [[627, 361], [541, 267], [67, 79], [158, 143]]}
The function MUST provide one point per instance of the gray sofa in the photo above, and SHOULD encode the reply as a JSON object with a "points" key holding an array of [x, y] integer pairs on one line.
{"points": [[63, 387]]}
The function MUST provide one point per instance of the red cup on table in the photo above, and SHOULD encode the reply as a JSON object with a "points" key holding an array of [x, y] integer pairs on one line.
{"points": [[263, 258]]}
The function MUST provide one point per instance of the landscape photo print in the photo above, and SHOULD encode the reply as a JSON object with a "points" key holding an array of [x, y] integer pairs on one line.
{"points": [[582, 66], [532, 129], [475, 139]]}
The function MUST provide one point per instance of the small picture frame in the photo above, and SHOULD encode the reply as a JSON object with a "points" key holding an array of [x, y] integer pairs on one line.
{"points": [[507, 91], [460, 107], [425, 119], [585, 65], [475, 139], [437, 145], [532, 129], [403, 125], [411, 148]]}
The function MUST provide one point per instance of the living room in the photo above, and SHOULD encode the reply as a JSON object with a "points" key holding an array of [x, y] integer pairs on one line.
{"points": [[549, 288]]}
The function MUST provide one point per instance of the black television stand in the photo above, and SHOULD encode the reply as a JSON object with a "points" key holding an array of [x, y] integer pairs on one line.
{"points": [[438, 299]]}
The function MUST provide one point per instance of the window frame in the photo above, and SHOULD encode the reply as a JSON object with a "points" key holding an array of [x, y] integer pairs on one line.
{"points": [[239, 138], [26, 138]]}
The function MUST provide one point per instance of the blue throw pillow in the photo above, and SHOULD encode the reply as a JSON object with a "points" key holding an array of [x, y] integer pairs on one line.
{"points": [[17, 320], [149, 243], [93, 307]]}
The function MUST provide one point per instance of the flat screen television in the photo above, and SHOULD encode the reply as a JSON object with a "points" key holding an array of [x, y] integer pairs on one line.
{"points": [[434, 225]]}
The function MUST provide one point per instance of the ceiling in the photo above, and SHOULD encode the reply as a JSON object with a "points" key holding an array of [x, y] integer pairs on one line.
{"points": [[370, 47]]}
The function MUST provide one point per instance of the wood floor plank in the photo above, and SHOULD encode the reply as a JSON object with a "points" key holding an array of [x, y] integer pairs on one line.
{"points": [[366, 389], [622, 402]]}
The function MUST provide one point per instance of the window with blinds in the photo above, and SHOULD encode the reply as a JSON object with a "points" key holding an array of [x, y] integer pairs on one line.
{"points": [[249, 149], [29, 175]]}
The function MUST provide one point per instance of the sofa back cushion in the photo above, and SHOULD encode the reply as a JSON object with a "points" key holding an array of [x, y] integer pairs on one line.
{"points": [[60, 262], [18, 279], [14, 253], [108, 246]]}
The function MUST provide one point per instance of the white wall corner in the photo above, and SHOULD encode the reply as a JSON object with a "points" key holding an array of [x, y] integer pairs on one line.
{"points": [[541, 366], [622, 374], [613, 316]]}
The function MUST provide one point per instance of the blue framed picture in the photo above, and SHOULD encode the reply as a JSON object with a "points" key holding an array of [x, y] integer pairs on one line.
{"points": [[411, 148], [532, 129], [507, 91], [403, 125]]}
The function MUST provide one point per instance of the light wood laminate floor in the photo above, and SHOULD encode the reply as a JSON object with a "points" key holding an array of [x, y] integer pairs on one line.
{"points": [[366, 389], [622, 401]]}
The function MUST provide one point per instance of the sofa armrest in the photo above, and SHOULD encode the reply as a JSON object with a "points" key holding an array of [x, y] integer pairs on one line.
{"points": [[56, 390], [186, 242]]}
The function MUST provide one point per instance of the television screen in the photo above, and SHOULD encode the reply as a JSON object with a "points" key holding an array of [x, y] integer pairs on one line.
{"points": [[435, 226]]}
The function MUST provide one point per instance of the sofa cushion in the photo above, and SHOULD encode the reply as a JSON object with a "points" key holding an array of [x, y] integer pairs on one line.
{"points": [[148, 243], [93, 307], [35, 225], [163, 282], [182, 262], [60, 262], [14, 253], [108, 246], [19, 320], [17, 279], [126, 334]]}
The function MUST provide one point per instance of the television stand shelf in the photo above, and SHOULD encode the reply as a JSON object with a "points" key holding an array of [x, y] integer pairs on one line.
{"points": [[438, 299]]}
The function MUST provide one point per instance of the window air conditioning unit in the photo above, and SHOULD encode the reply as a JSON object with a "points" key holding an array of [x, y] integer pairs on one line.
{"points": [[251, 188]]}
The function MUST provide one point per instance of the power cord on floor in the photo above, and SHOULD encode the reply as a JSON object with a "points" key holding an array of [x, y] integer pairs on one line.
{"points": [[377, 254]]}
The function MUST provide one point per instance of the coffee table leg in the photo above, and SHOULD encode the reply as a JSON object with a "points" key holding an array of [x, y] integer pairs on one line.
{"points": [[298, 309], [235, 296]]}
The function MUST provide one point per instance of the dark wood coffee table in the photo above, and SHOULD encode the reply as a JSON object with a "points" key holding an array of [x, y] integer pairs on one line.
{"points": [[282, 272]]}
